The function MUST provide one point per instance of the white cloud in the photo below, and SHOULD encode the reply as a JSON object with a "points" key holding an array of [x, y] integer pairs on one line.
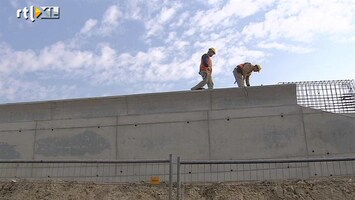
{"points": [[105, 27], [17, 90], [180, 20], [190, 31], [111, 15], [171, 37], [285, 47], [166, 14], [59, 56], [156, 24], [133, 10], [226, 16], [214, 2], [105, 66], [301, 20], [110, 20], [107, 59], [89, 25], [16, 60], [180, 45]]}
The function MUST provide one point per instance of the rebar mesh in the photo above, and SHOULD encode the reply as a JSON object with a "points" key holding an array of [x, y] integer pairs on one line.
{"points": [[337, 96]]}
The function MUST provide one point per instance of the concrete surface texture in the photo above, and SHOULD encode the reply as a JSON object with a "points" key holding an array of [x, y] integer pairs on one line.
{"points": [[234, 123]]}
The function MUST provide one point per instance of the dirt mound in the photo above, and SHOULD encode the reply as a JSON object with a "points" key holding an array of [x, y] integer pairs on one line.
{"points": [[339, 189], [335, 188]]}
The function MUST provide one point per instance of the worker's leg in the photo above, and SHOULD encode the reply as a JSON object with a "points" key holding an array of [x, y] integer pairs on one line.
{"points": [[235, 73], [240, 80], [203, 82], [210, 83]]}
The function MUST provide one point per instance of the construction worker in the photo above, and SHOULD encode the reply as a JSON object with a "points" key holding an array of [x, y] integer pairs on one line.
{"points": [[206, 70], [242, 73]]}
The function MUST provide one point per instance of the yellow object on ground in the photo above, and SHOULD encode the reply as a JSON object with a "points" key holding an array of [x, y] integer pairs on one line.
{"points": [[155, 180]]}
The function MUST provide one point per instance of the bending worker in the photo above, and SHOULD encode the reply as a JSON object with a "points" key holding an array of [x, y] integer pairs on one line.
{"points": [[242, 73], [206, 70]]}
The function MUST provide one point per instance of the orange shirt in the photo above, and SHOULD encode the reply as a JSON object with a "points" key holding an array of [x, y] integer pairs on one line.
{"points": [[206, 63]]}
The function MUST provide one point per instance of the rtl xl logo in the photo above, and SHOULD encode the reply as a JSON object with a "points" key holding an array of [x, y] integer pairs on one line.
{"points": [[42, 12]]}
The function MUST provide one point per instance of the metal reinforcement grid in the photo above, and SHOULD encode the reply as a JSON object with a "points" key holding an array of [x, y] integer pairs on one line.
{"points": [[337, 96]]}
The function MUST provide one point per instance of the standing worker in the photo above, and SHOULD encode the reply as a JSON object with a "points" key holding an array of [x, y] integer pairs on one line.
{"points": [[242, 73], [206, 70]]}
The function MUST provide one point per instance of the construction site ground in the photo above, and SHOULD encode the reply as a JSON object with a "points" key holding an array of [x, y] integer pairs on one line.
{"points": [[335, 188]]}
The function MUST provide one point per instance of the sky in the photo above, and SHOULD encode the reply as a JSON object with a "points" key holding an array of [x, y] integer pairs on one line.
{"points": [[113, 47]]}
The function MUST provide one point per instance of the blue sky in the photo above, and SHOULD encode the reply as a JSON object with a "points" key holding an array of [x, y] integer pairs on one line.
{"points": [[115, 47]]}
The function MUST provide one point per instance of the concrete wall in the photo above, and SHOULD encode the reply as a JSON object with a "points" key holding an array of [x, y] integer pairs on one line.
{"points": [[329, 133], [169, 102], [235, 123]]}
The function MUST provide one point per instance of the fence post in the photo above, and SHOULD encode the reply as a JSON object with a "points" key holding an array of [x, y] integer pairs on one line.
{"points": [[170, 176], [178, 184]]}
